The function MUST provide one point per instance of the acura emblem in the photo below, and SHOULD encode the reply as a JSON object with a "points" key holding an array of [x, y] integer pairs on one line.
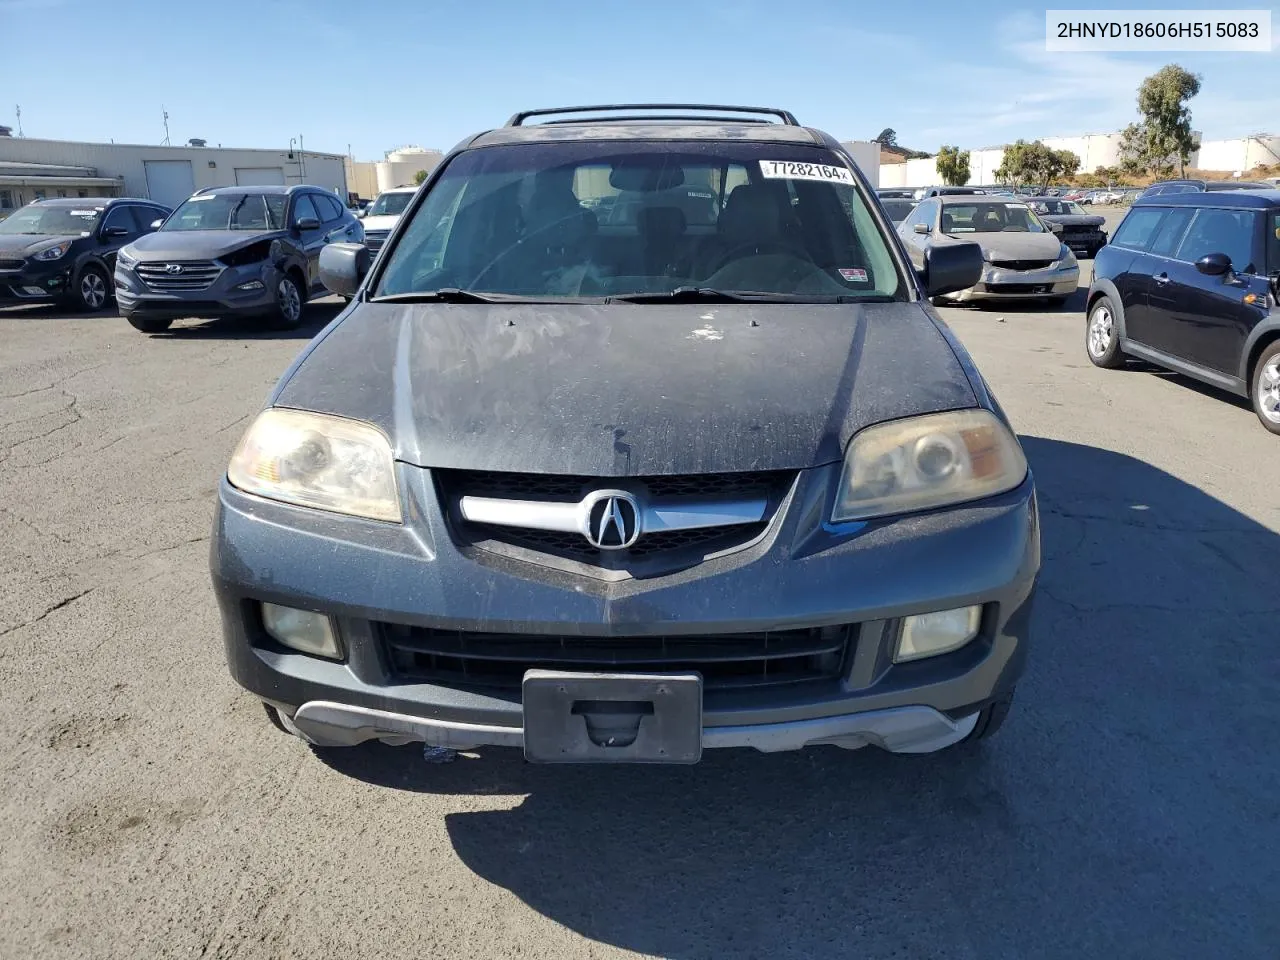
{"points": [[612, 519], [173, 268]]}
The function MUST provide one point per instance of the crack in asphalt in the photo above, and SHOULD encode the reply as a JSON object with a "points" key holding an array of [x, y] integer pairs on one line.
{"points": [[30, 525], [55, 384], [48, 610]]}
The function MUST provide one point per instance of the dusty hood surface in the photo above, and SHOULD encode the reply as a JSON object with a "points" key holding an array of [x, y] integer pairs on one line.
{"points": [[195, 244], [1014, 245], [21, 245], [627, 389]]}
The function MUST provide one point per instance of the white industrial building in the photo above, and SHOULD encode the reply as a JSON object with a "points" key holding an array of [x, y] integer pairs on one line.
{"points": [[398, 168], [31, 169]]}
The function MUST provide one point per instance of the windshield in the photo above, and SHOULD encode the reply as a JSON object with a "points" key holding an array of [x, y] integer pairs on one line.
{"points": [[389, 205], [52, 221], [898, 210], [603, 219], [1057, 207], [229, 211], [1273, 245], [990, 218]]}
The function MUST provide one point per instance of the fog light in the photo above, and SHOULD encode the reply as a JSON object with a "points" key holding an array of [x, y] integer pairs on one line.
{"points": [[302, 630], [35, 291], [931, 634], [250, 285]]}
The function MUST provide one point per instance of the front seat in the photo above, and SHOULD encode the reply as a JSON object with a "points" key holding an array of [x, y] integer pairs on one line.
{"points": [[661, 235]]}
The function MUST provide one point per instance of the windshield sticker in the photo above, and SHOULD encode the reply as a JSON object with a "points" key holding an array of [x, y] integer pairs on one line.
{"points": [[854, 274], [788, 170], [89, 214], [207, 196], [1016, 206]]}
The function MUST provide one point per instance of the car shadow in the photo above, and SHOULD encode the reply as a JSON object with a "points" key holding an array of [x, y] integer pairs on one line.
{"points": [[1127, 808], [316, 317]]}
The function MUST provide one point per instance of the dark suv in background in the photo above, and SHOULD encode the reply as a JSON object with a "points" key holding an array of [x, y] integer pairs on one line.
{"points": [[1167, 188], [248, 251], [64, 250], [1189, 282]]}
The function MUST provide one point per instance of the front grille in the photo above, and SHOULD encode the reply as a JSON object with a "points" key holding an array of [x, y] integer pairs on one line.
{"points": [[1025, 289], [725, 661], [11, 264], [373, 239], [194, 275], [681, 546], [1021, 264]]}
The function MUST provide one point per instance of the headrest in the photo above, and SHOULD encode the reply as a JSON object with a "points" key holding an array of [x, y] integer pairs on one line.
{"points": [[664, 221]]}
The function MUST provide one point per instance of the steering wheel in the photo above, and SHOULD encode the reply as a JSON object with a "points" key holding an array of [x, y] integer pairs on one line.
{"points": [[512, 248], [760, 249]]}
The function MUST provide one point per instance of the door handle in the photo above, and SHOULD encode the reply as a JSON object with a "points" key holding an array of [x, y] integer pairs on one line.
{"points": [[1161, 278]]}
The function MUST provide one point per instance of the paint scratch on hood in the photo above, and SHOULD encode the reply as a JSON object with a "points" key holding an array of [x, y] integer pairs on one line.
{"points": [[707, 332]]}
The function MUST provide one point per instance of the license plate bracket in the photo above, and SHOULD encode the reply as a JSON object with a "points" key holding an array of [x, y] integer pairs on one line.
{"points": [[612, 717]]}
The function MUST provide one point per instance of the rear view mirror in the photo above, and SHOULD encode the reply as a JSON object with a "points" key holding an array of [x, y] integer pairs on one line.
{"points": [[343, 267], [157, 224], [951, 267], [114, 233], [308, 223], [922, 228]]}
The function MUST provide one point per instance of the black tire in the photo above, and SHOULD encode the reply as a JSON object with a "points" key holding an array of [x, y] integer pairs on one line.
{"points": [[1264, 387], [149, 324], [92, 290], [290, 303], [990, 719], [1104, 349], [940, 301]]}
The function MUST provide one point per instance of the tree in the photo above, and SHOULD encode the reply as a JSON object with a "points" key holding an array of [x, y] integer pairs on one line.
{"points": [[1035, 163], [1162, 101], [953, 166], [888, 137], [420, 176]]}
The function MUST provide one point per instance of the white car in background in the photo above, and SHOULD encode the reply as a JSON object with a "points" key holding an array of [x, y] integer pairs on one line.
{"points": [[383, 214]]}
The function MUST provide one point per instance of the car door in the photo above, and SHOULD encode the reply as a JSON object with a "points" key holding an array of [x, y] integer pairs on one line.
{"points": [[118, 228], [1206, 317], [1155, 324], [146, 216], [308, 227], [1131, 272], [917, 244]]}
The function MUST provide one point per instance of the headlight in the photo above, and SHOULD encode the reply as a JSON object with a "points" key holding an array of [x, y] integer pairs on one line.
{"points": [[124, 260], [926, 462], [315, 460], [1067, 260], [56, 252]]}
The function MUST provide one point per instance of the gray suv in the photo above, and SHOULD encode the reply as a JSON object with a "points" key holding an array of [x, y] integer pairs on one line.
{"points": [[247, 251], [712, 476]]}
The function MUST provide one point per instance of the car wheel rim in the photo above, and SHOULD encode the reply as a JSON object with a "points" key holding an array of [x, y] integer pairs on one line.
{"points": [[1101, 330], [290, 305], [93, 290], [1269, 390]]}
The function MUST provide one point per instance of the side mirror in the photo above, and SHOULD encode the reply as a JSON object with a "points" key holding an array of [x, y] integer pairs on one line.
{"points": [[1053, 227], [1214, 264], [307, 223], [113, 233], [157, 224], [921, 228], [951, 267], [343, 267]]}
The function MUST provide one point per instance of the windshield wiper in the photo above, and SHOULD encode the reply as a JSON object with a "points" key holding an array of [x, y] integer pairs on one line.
{"points": [[710, 295], [457, 295]]}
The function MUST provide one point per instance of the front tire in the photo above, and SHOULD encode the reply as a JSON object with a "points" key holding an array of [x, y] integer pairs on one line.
{"points": [[1264, 391], [1101, 336], [93, 289], [289, 304]]}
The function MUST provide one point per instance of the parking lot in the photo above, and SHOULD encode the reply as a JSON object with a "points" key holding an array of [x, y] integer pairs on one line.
{"points": [[1127, 809]]}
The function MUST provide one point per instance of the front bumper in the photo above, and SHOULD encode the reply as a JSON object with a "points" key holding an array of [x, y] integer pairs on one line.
{"points": [[368, 575], [221, 298], [36, 281], [1001, 284], [1085, 244]]}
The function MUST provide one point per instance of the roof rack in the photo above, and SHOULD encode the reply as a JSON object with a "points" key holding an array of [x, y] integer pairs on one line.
{"points": [[703, 109]]}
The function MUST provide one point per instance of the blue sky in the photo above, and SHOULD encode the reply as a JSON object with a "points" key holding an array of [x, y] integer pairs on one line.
{"points": [[384, 73]]}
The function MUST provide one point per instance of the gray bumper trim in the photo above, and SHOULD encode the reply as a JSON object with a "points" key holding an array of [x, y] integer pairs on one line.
{"points": [[913, 729]]}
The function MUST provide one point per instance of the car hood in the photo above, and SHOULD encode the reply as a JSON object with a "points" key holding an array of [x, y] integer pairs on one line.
{"points": [[1074, 219], [1014, 246], [380, 223], [26, 244], [195, 244], [627, 390]]}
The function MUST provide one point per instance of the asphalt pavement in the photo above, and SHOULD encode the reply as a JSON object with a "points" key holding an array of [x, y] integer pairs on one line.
{"points": [[1127, 809]]}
